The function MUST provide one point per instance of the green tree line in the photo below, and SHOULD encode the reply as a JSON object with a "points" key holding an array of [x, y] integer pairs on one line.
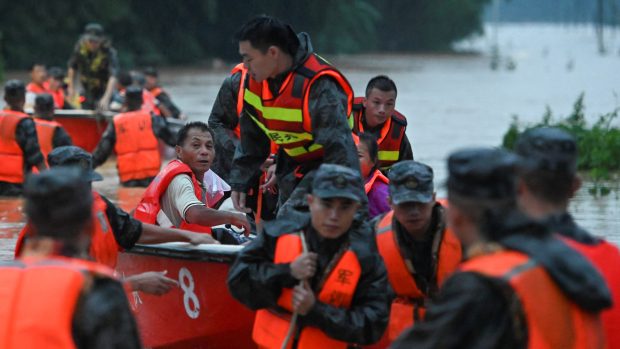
{"points": [[164, 32]]}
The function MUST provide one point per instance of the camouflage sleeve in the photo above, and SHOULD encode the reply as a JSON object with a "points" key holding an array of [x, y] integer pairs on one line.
{"points": [[105, 146], [160, 128], [223, 121], [26, 136], [328, 109]]}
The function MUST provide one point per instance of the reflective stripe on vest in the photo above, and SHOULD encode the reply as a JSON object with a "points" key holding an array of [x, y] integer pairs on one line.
{"points": [[377, 175], [338, 290], [136, 146], [606, 257], [389, 146], [149, 205], [45, 134], [553, 320], [285, 118], [39, 298], [410, 302], [11, 155]]}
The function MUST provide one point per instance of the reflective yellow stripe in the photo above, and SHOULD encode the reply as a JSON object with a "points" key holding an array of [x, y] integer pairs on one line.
{"points": [[272, 113], [293, 152], [351, 120], [282, 137], [388, 155]]}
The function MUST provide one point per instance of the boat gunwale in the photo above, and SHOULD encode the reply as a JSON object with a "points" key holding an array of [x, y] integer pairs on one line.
{"points": [[182, 250]]}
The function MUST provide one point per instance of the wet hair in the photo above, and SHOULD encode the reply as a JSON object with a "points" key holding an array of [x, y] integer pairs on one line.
{"points": [[371, 144], [56, 73], [264, 31], [124, 78], [44, 103], [382, 83], [182, 135], [549, 186], [15, 93]]}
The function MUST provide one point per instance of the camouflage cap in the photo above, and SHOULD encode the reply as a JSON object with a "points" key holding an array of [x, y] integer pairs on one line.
{"points": [[58, 200], [411, 181], [70, 155], [93, 31], [336, 181], [483, 173], [548, 149]]}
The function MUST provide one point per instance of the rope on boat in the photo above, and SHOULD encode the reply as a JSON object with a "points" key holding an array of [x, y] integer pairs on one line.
{"points": [[293, 324]]}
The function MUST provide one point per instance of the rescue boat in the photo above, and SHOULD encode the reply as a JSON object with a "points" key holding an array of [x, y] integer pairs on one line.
{"points": [[87, 126], [200, 313]]}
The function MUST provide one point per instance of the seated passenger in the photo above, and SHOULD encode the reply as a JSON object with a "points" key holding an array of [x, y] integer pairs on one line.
{"points": [[126, 231], [137, 150], [38, 76], [176, 197], [165, 104], [55, 87], [375, 183], [376, 113]]}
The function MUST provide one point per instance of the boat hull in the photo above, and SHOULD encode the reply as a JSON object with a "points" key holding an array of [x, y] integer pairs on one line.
{"points": [[85, 132], [200, 313]]}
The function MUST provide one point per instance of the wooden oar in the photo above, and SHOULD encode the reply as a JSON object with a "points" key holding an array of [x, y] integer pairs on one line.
{"points": [[293, 324]]}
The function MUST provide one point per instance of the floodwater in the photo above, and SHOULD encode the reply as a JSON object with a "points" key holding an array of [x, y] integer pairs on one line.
{"points": [[451, 101]]}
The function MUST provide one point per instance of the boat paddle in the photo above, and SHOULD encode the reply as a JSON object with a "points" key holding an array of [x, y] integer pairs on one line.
{"points": [[293, 324]]}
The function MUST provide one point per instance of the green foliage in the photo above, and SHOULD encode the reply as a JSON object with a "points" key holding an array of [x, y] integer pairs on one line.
{"points": [[161, 32], [599, 145]]}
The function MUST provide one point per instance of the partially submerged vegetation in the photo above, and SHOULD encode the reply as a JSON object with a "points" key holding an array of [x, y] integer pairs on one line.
{"points": [[599, 145]]}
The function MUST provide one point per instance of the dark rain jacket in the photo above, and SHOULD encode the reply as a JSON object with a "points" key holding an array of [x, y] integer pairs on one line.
{"points": [[327, 107], [257, 282], [223, 121], [474, 311]]}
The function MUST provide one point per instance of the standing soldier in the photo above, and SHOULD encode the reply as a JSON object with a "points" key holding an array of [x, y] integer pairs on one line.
{"points": [[376, 114], [19, 144], [322, 267], [50, 296], [545, 190], [95, 61], [519, 287], [133, 136], [419, 251], [224, 121], [296, 99]]}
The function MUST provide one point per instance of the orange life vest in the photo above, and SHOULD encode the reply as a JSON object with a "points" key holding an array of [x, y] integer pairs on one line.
{"points": [[103, 246], [375, 176], [285, 117], [36, 88], [58, 95], [150, 204], [240, 68], [149, 102], [410, 302], [606, 258], [156, 91], [390, 138], [136, 146], [11, 155], [270, 328], [45, 133], [553, 321], [39, 297]]}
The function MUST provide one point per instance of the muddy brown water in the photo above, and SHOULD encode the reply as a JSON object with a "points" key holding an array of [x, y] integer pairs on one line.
{"points": [[451, 101]]}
